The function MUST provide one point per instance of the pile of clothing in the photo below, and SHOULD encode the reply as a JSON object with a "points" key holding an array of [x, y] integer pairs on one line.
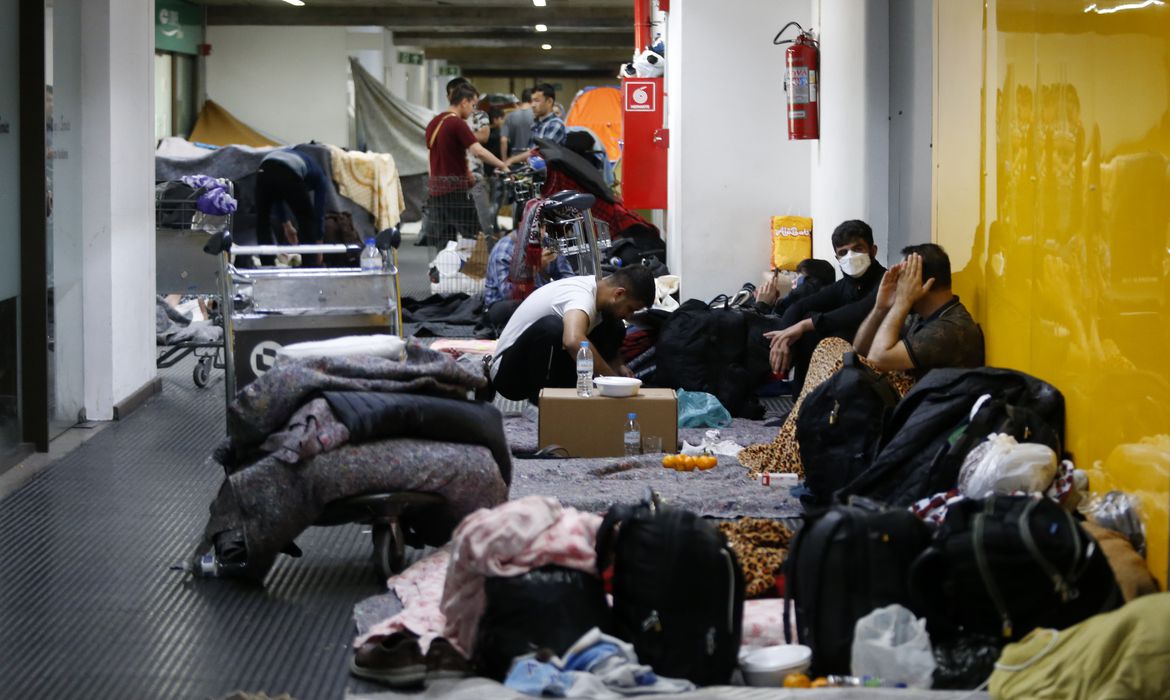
{"points": [[173, 327], [318, 429]]}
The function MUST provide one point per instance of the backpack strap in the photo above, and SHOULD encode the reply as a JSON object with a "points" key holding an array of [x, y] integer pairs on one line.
{"points": [[979, 548], [435, 133]]}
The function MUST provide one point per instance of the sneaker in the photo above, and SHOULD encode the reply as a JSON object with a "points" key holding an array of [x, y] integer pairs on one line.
{"points": [[488, 393], [443, 661], [396, 661], [743, 297]]}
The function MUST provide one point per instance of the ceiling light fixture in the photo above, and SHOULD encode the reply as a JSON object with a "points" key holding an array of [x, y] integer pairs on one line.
{"points": [[546, 47], [1118, 8], [297, 3], [538, 3], [542, 27]]}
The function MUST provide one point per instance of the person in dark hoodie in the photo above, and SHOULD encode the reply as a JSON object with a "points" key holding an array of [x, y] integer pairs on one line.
{"points": [[836, 310], [812, 276]]}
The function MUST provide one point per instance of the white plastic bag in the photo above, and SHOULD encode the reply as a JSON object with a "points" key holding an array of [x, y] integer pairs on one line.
{"points": [[891, 644], [1002, 465], [712, 444]]}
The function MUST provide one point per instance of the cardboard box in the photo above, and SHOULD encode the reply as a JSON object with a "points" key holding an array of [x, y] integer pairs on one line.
{"points": [[593, 426]]}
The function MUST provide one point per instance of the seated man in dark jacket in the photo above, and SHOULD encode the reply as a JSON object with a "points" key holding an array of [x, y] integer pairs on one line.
{"points": [[836, 310]]}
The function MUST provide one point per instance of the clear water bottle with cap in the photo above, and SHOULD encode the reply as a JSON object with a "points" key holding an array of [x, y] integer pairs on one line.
{"points": [[633, 435], [584, 370], [371, 259]]}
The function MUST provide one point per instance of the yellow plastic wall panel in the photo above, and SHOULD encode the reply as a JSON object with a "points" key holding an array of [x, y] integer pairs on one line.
{"points": [[1068, 267]]}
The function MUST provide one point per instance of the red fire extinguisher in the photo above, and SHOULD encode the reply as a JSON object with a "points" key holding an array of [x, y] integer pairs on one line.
{"points": [[801, 65]]}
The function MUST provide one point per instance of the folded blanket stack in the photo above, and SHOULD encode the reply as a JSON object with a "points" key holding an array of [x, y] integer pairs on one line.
{"points": [[318, 429]]}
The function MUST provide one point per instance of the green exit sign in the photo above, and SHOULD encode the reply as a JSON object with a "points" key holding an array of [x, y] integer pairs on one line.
{"points": [[450, 71], [409, 58]]}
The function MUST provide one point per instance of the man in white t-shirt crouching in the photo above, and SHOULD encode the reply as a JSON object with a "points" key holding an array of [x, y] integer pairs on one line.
{"points": [[538, 348]]}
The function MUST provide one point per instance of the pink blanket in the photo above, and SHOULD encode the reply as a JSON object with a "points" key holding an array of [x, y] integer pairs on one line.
{"points": [[419, 589], [509, 540]]}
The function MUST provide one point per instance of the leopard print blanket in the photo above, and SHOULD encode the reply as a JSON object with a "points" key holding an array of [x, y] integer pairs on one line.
{"points": [[761, 546], [782, 455]]}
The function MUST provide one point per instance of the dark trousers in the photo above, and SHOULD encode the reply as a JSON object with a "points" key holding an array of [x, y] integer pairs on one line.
{"points": [[276, 183], [538, 358], [499, 313], [801, 351]]}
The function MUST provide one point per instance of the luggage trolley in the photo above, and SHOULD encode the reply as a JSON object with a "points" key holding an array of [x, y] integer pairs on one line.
{"points": [[269, 308], [181, 233], [272, 307]]}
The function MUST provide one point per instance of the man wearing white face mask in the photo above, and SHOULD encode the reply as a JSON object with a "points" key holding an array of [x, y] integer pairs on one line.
{"points": [[836, 310]]}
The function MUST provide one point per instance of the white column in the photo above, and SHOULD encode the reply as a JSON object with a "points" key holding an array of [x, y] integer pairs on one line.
{"points": [[731, 166], [850, 162], [117, 200], [394, 75], [418, 89]]}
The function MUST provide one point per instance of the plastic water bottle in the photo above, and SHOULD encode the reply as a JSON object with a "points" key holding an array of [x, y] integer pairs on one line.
{"points": [[633, 435], [371, 258], [584, 370]]}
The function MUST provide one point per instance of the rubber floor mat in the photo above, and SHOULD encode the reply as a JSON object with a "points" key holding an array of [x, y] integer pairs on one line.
{"points": [[90, 609]]}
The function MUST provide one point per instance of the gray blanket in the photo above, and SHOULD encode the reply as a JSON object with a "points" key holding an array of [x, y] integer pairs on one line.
{"points": [[173, 328], [272, 502], [597, 483], [387, 124], [266, 404]]}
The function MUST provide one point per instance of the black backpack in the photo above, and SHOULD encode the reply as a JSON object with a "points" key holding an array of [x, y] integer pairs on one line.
{"points": [[677, 590], [546, 608], [1006, 565], [931, 431], [705, 349], [839, 428], [845, 562]]}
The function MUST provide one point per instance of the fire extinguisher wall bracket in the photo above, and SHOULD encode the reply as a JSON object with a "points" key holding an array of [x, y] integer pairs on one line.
{"points": [[801, 69]]}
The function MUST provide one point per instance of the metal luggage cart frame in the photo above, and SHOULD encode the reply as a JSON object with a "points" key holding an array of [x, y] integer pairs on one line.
{"points": [[181, 267], [291, 302], [282, 301]]}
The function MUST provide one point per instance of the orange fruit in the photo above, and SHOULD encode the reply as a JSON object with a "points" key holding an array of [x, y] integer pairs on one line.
{"points": [[797, 680], [668, 461], [821, 682], [707, 462]]}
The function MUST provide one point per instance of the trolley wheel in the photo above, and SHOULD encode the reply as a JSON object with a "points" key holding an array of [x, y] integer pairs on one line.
{"points": [[202, 372], [389, 549]]}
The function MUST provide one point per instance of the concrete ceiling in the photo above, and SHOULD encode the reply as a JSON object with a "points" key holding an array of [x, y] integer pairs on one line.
{"points": [[589, 37]]}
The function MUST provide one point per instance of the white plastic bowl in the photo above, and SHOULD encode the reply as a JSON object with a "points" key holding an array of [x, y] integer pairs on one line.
{"points": [[618, 387], [766, 667]]}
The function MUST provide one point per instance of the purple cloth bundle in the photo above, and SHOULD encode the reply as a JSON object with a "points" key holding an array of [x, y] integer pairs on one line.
{"points": [[214, 199]]}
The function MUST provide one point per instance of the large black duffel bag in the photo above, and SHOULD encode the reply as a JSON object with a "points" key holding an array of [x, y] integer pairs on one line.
{"points": [[547, 608], [1006, 565], [932, 429]]}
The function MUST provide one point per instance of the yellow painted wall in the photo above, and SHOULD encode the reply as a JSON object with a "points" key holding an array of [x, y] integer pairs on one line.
{"points": [[1052, 194]]}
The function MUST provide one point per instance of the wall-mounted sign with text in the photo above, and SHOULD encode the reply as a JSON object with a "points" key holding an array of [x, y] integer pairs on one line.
{"points": [[178, 26], [410, 58], [450, 71]]}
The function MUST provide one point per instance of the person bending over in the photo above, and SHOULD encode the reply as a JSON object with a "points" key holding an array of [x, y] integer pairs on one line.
{"points": [[538, 347], [918, 326], [498, 301], [836, 310], [287, 177]]}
